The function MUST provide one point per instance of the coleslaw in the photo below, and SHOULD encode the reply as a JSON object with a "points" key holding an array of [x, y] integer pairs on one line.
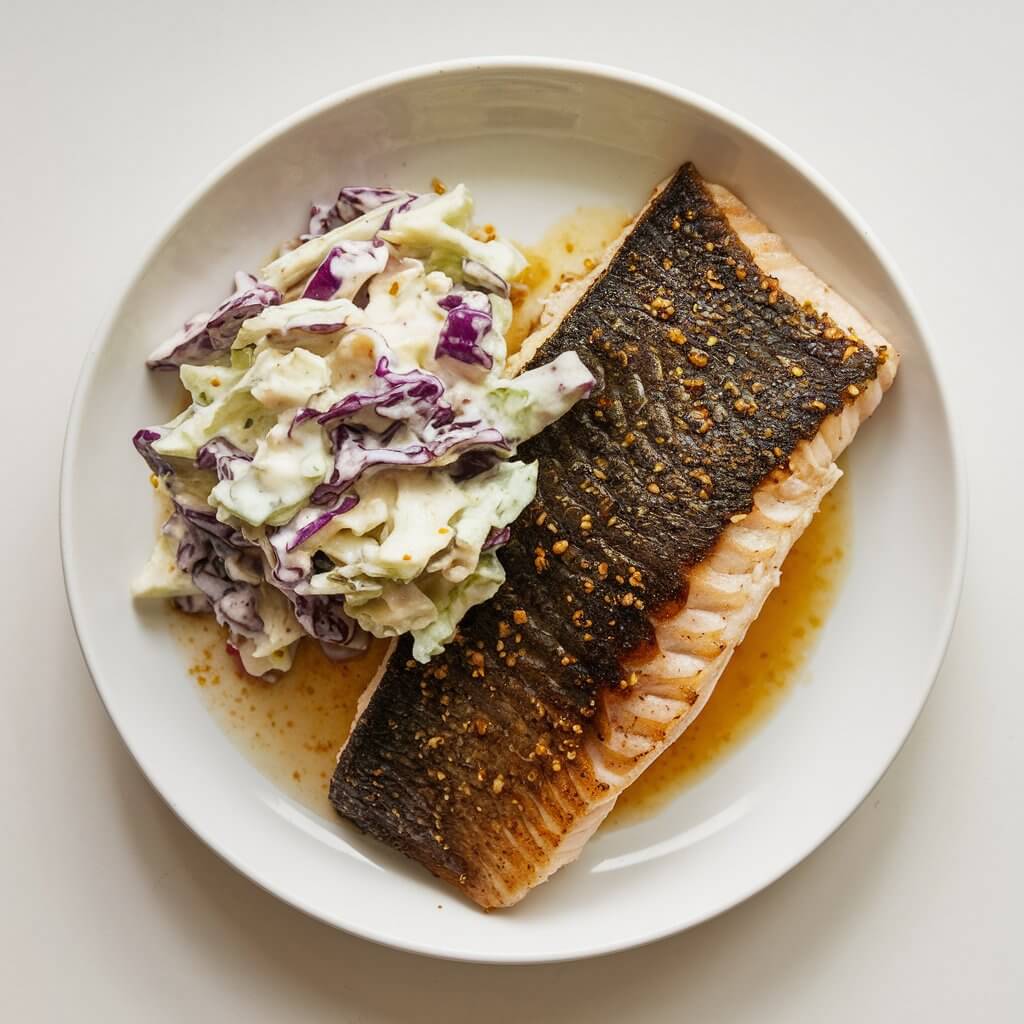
{"points": [[346, 465]]}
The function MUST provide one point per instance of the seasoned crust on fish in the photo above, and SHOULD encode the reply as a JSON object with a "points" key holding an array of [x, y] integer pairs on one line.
{"points": [[665, 507]]}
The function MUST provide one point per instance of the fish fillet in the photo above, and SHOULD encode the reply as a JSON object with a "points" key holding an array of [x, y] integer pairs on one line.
{"points": [[729, 379]]}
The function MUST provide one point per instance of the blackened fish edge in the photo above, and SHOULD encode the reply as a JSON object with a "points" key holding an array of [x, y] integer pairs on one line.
{"points": [[708, 376]]}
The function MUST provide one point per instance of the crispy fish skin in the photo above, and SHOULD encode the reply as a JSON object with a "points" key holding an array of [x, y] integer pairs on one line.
{"points": [[710, 424]]}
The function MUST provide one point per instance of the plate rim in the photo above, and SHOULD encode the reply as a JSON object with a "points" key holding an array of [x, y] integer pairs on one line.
{"points": [[615, 75]]}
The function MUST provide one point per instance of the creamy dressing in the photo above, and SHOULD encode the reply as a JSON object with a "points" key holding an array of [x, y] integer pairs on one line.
{"points": [[288, 465]]}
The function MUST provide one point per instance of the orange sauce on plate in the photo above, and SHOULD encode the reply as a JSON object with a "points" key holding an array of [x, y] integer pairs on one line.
{"points": [[292, 729], [568, 250], [763, 669]]}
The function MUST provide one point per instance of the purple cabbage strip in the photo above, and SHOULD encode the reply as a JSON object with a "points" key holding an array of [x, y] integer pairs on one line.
{"points": [[324, 616], [352, 202], [400, 208], [167, 467], [357, 645], [204, 337], [303, 533], [223, 565], [479, 276], [497, 537], [345, 269], [235, 605], [384, 372], [325, 327], [323, 217], [356, 451], [413, 397], [221, 455], [227, 568], [473, 463], [240, 556], [143, 440], [291, 566], [356, 200], [465, 328], [301, 417], [285, 574]]}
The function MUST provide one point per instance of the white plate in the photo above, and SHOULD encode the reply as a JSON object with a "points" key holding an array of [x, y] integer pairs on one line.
{"points": [[533, 139]]}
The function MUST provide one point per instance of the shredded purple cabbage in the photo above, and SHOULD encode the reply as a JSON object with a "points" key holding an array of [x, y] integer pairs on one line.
{"points": [[345, 652], [219, 454], [324, 326], [467, 323], [473, 463], [143, 440], [345, 269], [353, 201], [413, 397], [303, 533], [227, 569], [204, 337], [223, 565], [496, 538], [323, 217], [402, 207], [413, 401], [323, 616], [287, 572], [169, 468], [236, 605], [356, 200], [205, 519], [356, 450], [330, 322], [301, 417], [222, 456]]}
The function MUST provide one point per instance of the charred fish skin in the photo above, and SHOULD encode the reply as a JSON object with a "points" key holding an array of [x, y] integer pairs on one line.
{"points": [[708, 376]]}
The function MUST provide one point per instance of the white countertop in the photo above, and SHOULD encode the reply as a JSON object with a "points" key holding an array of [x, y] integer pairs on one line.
{"points": [[113, 910]]}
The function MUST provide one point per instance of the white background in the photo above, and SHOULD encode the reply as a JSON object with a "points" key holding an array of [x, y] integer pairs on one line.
{"points": [[112, 113]]}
